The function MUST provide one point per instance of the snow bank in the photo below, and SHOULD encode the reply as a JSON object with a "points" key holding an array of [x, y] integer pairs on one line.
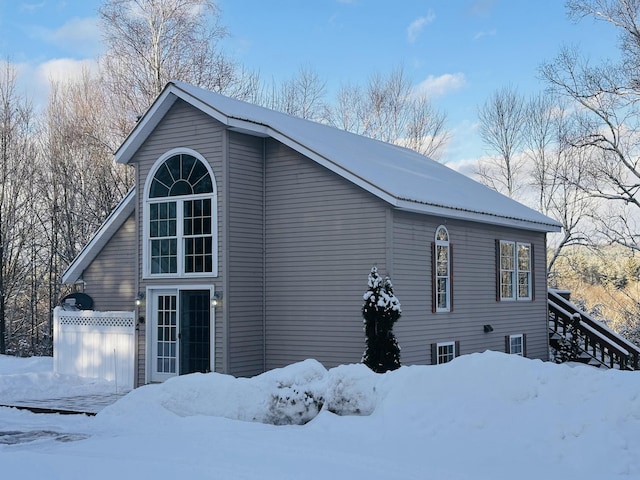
{"points": [[480, 416], [10, 365], [292, 395], [476, 394], [33, 379]]}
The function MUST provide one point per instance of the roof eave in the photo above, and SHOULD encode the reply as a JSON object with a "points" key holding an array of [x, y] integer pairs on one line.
{"points": [[483, 217], [146, 125]]}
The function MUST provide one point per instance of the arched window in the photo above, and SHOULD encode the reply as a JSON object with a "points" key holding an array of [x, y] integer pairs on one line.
{"points": [[180, 217], [442, 270], [181, 175]]}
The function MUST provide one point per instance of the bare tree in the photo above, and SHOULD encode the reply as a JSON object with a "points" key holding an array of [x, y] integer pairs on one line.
{"points": [[85, 182], [348, 112], [302, 96], [426, 132], [544, 125], [385, 98], [151, 42], [389, 109], [622, 14], [554, 170], [569, 204], [606, 98], [502, 121], [16, 134]]}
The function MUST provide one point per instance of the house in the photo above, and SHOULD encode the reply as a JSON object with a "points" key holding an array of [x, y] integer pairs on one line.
{"points": [[250, 234]]}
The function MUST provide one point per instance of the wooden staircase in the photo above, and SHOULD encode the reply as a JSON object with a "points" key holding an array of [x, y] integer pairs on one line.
{"points": [[588, 340]]}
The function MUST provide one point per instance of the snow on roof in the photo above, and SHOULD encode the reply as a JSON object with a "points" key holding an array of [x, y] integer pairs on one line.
{"points": [[399, 176]]}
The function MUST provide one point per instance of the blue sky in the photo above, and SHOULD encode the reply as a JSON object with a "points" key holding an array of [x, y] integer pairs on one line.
{"points": [[457, 51]]}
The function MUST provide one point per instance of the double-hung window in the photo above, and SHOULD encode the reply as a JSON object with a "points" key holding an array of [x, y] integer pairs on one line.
{"points": [[180, 218], [516, 344], [515, 271]]}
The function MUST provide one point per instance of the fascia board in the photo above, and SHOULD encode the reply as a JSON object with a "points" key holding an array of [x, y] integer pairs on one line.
{"points": [[145, 126], [481, 217]]}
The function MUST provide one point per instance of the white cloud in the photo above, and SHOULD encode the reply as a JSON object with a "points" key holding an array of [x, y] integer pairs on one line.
{"points": [[62, 69], [434, 86], [487, 33], [466, 166], [415, 27], [31, 7], [79, 36], [34, 80], [481, 8]]}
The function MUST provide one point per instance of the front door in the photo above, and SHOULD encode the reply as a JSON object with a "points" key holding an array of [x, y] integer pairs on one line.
{"points": [[181, 333]]}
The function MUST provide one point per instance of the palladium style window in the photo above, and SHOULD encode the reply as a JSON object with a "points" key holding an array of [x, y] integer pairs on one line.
{"points": [[181, 218], [515, 271]]}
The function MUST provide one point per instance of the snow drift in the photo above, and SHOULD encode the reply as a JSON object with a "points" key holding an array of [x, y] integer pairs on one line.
{"points": [[481, 416]]}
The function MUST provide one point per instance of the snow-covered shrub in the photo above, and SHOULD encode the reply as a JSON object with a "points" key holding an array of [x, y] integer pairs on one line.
{"points": [[351, 390], [296, 393], [293, 406], [380, 311]]}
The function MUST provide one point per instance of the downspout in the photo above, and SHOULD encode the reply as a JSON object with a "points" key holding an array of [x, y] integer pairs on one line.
{"points": [[546, 292], [264, 254], [139, 310], [225, 250]]}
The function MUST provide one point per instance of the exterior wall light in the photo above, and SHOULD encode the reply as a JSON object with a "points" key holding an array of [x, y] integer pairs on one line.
{"points": [[488, 329], [216, 300], [139, 299]]}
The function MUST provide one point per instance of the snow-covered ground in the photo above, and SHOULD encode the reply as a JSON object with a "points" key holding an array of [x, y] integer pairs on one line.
{"points": [[482, 416]]}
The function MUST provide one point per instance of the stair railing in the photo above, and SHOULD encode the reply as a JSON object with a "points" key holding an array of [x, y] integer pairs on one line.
{"points": [[599, 342]]}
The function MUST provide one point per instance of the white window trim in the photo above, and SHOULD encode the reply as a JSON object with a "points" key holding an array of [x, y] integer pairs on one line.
{"points": [[445, 344], [146, 201], [149, 347], [511, 337], [516, 272], [448, 277]]}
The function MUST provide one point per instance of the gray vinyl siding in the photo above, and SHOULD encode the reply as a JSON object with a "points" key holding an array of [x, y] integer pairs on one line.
{"points": [[295, 246], [186, 127], [111, 278], [323, 234], [245, 295], [474, 290]]}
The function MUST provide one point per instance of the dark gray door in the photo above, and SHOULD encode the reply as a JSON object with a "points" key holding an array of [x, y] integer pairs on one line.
{"points": [[195, 331]]}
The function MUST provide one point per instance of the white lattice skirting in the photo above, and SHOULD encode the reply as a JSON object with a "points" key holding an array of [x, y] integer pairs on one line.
{"points": [[95, 345]]}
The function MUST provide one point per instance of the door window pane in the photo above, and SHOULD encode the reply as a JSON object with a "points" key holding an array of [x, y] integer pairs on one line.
{"points": [[167, 335]]}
